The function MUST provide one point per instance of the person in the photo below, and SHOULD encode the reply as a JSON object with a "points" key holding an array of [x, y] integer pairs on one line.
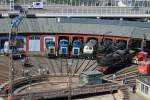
{"points": [[134, 88]]}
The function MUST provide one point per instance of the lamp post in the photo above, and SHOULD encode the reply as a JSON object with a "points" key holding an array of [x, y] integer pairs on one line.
{"points": [[69, 61]]}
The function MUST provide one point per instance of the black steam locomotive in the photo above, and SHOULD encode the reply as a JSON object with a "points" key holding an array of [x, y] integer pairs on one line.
{"points": [[117, 58], [106, 47]]}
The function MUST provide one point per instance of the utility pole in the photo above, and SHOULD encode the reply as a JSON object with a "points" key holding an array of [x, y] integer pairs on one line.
{"points": [[69, 78], [12, 46]]}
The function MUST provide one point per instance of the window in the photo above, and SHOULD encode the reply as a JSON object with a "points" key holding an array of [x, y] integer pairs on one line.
{"points": [[90, 48], [144, 89], [37, 37], [34, 37], [31, 37]]}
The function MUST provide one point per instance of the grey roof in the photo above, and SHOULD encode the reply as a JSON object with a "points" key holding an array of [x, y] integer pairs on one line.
{"points": [[52, 25], [105, 22], [91, 72], [144, 79]]}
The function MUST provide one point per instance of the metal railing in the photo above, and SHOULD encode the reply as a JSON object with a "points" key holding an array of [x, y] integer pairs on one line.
{"points": [[86, 11], [74, 91]]}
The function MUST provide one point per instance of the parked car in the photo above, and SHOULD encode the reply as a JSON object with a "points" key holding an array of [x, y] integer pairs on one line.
{"points": [[36, 5]]}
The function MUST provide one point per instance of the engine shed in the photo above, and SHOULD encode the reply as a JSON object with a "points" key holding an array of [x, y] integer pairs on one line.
{"points": [[90, 78]]}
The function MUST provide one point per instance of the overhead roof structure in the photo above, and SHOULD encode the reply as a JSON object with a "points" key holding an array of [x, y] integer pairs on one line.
{"points": [[80, 26]]}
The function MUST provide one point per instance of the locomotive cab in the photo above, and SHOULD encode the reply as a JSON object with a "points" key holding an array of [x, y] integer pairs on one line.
{"points": [[76, 46], [50, 48], [90, 48], [63, 47], [141, 56], [144, 67]]}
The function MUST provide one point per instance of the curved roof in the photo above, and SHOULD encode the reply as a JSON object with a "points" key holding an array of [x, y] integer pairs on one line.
{"points": [[106, 22], [56, 25]]}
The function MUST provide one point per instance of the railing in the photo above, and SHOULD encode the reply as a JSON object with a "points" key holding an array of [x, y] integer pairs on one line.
{"points": [[86, 11], [74, 92]]}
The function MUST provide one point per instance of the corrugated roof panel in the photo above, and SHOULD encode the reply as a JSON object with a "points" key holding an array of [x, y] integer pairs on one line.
{"points": [[105, 22]]}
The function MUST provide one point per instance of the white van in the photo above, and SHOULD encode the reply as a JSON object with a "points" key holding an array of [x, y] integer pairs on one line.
{"points": [[36, 5]]}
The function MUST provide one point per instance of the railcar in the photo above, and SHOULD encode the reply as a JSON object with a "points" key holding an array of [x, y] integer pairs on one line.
{"points": [[76, 48], [50, 47], [90, 48], [115, 59], [63, 47]]}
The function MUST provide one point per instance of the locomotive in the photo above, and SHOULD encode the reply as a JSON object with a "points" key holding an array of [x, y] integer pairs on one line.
{"points": [[117, 58], [14, 47], [90, 48], [143, 63], [144, 68], [50, 47], [63, 47], [76, 48], [107, 47]]}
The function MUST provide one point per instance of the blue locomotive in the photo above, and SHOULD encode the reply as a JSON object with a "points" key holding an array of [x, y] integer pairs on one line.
{"points": [[63, 47], [50, 47], [76, 48]]}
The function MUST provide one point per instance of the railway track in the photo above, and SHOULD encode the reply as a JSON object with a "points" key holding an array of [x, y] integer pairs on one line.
{"points": [[74, 91], [126, 77], [127, 69], [78, 66]]}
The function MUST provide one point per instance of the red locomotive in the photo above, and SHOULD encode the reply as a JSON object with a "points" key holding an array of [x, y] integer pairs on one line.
{"points": [[144, 67], [141, 56], [143, 64]]}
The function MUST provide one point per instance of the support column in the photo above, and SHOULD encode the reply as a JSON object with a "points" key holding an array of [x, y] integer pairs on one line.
{"points": [[27, 42], [56, 41], [41, 42], [70, 42], [70, 39], [84, 39]]}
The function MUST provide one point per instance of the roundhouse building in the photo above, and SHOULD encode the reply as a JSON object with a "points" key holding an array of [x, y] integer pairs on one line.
{"points": [[34, 30]]}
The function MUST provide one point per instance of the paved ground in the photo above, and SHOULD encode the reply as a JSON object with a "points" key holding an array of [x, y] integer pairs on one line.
{"points": [[53, 83], [115, 96], [103, 97], [135, 97]]}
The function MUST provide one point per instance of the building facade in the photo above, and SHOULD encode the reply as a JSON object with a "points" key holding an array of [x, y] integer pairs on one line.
{"points": [[143, 87]]}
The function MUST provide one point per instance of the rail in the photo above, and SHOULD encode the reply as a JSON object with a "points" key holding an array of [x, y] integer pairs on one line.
{"points": [[38, 78], [128, 74]]}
